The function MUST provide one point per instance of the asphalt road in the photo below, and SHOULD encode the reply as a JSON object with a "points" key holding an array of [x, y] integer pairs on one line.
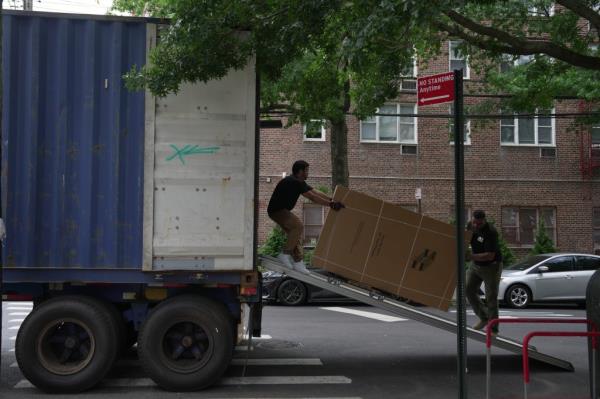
{"points": [[348, 351]]}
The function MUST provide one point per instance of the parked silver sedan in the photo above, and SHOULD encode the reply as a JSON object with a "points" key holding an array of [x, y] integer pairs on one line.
{"points": [[547, 277]]}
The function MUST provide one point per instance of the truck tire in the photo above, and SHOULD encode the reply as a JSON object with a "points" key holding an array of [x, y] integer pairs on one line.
{"points": [[186, 343], [67, 344]]}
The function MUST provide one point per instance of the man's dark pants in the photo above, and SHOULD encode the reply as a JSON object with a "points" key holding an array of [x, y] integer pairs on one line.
{"points": [[490, 276]]}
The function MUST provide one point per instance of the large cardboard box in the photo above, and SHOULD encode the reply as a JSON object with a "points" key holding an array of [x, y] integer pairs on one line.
{"points": [[389, 248]]}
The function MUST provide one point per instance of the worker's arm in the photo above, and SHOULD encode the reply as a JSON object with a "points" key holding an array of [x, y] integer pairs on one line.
{"points": [[317, 197], [322, 199], [483, 257]]}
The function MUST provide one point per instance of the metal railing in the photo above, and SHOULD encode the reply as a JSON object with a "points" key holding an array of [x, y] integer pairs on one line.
{"points": [[525, 349]]}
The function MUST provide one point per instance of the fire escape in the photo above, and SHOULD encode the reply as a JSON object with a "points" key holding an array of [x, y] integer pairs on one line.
{"points": [[589, 152]]}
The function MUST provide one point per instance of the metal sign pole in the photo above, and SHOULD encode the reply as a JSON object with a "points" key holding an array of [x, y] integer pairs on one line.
{"points": [[459, 178]]}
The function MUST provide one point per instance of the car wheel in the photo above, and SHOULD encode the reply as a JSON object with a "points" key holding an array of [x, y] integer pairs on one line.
{"points": [[292, 293], [518, 296]]}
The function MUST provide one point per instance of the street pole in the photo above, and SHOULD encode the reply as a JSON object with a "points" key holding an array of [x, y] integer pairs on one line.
{"points": [[1, 186], [28, 5], [459, 180]]}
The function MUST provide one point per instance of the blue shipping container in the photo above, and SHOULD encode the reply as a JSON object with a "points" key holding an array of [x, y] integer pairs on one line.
{"points": [[73, 142]]}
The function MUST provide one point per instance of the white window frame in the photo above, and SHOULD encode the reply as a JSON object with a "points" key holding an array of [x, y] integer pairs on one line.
{"points": [[467, 126], [538, 211], [467, 75], [323, 131], [412, 78], [305, 224], [535, 11], [515, 125], [397, 141], [513, 62]]}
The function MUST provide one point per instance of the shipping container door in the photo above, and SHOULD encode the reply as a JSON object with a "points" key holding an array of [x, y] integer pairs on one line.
{"points": [[203, 194]]}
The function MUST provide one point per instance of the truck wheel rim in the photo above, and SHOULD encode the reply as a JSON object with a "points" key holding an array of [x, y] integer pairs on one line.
{"points": [[291, 293], [186, 347], [519, 296], [65, 346]]}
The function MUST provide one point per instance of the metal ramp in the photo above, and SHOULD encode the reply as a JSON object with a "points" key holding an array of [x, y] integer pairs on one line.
{"points": [[379, 300]]}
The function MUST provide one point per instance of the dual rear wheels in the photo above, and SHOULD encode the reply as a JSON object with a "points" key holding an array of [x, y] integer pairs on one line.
{"points": [[69, 344]]}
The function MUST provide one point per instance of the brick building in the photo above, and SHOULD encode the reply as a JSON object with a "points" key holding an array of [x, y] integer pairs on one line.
{"points": [[520, 170]]}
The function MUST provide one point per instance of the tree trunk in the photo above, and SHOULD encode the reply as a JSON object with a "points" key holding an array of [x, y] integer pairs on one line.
{"points": [[339, 145]]}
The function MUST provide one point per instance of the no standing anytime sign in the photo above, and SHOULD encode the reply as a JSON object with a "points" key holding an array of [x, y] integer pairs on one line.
{"points": [[435, 89]]}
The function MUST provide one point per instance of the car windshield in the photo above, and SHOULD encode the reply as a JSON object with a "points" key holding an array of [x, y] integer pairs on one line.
{"points": [[527, 263]]}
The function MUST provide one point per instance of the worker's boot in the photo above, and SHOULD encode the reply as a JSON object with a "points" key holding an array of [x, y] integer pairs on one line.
{"points": [[286, 260], [301, 267], [480, 325]]}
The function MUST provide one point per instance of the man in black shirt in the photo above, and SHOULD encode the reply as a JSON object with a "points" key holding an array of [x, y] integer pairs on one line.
{"points": [[282, 202], [486, 267]]}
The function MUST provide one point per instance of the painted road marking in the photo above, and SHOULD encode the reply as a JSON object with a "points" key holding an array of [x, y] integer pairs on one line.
{"points": [[14, 365], [19, 313], [277, 362], [17, 308], [518, 313], [270, 380], [14, 327], [362, 313], [16, 320], [130, 363]]}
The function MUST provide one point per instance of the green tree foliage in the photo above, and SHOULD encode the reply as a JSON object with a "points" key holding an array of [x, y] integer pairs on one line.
{"points": [[274, 243], [324, 59], [543, 243], [534, 50], [318, 59]]}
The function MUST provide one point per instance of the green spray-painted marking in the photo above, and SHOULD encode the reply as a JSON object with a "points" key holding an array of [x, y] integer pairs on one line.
{"points": [[189, 149]]}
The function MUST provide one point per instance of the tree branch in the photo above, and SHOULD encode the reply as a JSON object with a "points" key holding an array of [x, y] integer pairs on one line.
{"points": [[581, 9], [519, 45]]}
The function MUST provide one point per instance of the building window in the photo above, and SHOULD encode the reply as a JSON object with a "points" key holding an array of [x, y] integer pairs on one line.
{"points": [[313, 223], [466, 131], [314, 130], [519, 224], [595, 136], [532, 131], [458, 60], [596, 229], [391, 129], [468, 215], [408, 77], [541, 10], [510, 61]]}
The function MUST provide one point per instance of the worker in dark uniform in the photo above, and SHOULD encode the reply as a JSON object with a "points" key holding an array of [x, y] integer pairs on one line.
{"points": [[486, 267], [280, 207]]}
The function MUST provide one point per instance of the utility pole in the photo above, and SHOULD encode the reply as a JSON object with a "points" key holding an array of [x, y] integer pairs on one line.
{"points": [[27, 5]]}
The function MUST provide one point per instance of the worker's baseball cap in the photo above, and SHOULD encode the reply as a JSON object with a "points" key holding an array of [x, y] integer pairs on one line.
{"points": [[479, 214]]}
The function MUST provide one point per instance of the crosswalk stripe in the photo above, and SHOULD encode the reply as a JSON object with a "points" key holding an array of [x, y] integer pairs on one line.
{"points": [[268, 380], [14, 327], [278, 362], [370, 315], [16, 321], [17, 308], [14, 365], [18, 313]]}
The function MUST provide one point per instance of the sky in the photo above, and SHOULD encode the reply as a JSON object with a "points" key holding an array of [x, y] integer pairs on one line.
{"points": [[64, 6]]}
